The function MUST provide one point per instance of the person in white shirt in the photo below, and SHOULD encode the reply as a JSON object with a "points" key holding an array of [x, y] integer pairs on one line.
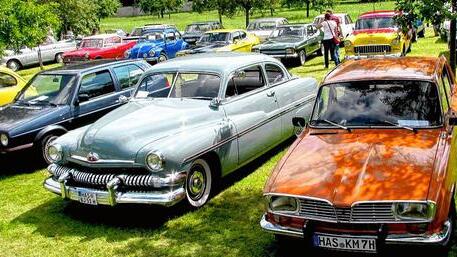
{"points": [[330, 31]]}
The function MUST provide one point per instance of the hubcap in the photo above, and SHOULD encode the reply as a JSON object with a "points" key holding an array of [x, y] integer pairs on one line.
{"points": [[196, 182], [46, 145], [162, 58], [13, 66]]}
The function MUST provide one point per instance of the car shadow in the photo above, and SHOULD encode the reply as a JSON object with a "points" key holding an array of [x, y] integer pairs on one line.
{"points": [[289, 64], [21, 162]]}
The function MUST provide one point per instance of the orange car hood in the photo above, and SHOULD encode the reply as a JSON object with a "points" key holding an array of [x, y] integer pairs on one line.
{"points": [[364, 165]]}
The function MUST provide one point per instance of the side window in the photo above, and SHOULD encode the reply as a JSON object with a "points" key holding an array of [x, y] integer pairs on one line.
{"points": [[235, 36], [97, 84], [7, 80], [274, 74], [244, 81], [155, 85], [443, 96], [242, 35], [128, 75]]}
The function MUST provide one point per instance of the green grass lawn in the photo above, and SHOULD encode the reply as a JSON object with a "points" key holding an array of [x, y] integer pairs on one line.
{"points": [[34, 222]]}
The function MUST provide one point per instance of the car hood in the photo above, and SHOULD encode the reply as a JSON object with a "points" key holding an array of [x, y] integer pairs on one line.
{"points": [[12, 117], [361, 166], [80, 52], [128, 129], [373, 38], [280, 43]]}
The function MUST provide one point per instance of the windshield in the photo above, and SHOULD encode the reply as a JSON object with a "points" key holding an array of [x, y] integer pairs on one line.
{"points": [[136, 32], [179, 85], [197, 28], [152, 36], [47, 89], [375, 23], [382, 103], [288, 32], [262, 25], [215, 37], [92, 43]]}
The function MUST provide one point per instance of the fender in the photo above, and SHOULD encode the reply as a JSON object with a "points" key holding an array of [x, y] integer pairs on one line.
{"points": [[52, 128]]}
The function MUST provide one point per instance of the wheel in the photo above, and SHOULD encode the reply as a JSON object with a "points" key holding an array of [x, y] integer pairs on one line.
{"points": [[452, 216], [59, 58], [302, 57], [13, 65], [44, 143], [163, 57], [421, 33], [199, 183]]}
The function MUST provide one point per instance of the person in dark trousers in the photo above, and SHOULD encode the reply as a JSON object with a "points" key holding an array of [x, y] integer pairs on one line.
{"points": [[339, 30], [330, 29]]}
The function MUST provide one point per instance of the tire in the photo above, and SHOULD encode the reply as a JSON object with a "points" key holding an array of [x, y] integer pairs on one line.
{"points": [[14, 65], [59, 58], [44, 143], [162, 57], [199, 183], [301, 57]]}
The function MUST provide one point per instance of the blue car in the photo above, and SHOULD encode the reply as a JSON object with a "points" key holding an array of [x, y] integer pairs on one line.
{"points": [[158, 45]]}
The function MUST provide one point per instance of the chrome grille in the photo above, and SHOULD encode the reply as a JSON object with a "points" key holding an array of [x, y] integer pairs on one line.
{"points": [[273, 52], [372, 49], [375, 212]]}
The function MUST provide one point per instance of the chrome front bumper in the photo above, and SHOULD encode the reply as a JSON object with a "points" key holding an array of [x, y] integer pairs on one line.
{"points": [[367, 56], [439, 238]]}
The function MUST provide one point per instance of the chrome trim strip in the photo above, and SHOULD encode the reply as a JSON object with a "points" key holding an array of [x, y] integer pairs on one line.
{"points": [[17, 148], [101, 161]]}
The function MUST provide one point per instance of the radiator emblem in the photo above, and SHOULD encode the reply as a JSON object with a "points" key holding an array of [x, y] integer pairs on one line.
{"points": [[92, 157]]}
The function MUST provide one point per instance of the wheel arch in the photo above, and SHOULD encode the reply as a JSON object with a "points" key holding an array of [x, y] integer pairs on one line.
{"points": [[58, 130]]}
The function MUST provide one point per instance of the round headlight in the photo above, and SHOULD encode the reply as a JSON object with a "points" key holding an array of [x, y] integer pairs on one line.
{"points": [[127, 54], [414, 211], [290, 51], [152, 53], [4, 139], [283, 204], [154, 161], [54, 153]]}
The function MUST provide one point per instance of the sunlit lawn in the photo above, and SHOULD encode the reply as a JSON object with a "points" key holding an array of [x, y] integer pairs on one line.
{"points": [[34, 222]]}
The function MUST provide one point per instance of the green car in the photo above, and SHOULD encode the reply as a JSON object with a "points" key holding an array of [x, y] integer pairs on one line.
{"points": [[292, 41]]}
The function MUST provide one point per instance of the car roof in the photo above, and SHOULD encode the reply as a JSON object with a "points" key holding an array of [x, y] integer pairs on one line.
{"points": [[225, 30], [268, 19], [220, 63], [411, 68], [380, 13], [101, 36], [85, 66]]}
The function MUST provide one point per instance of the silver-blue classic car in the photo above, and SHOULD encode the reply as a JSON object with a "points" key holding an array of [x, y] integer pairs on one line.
{"points": [[190, 122]]}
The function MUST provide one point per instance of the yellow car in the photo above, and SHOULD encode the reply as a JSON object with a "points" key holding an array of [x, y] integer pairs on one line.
{"points": [[10, 84], [376, 33], [224, 40]]}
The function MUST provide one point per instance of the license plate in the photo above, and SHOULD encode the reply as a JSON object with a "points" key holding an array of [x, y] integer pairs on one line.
{"points": [[87, 197], [345, 243]]}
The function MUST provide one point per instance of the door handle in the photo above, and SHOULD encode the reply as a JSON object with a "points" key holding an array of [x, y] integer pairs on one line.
{"points": [[122, 99], [271, 93]]}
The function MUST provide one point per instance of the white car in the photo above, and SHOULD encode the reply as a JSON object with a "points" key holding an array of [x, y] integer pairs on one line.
{"points": [[347, 25], [262, 28]]}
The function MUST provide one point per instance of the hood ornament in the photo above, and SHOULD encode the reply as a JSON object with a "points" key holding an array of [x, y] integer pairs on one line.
{"points": [[93, 157]]}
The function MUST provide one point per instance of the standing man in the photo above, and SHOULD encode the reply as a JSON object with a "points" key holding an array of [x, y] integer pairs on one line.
{"points": [[329, 27], [339, 31]]}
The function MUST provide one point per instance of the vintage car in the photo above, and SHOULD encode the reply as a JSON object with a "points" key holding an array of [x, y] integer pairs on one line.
{"points": [[142, 31], [159, 45], [263, 27], [118, 32], [103, 46], [293, 41], [346, 23], [194, 31], [377, 33], [50, 52], [219, 115], [57, 100], [10, 85], [223, 40], [376, 165]]}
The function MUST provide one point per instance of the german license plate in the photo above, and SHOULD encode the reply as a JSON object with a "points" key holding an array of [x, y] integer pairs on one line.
{"points": [[345, 243], [87, 197]]}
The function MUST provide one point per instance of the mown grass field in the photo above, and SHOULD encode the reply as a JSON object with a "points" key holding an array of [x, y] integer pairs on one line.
{"points": [[34, 222]]}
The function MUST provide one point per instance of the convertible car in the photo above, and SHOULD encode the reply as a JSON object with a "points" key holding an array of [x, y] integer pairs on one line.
{"points": [[219, 115], [293, 41], [57, 100], [377, 34], [10, 85], [224, 40], [376, 165], [159, 44]]}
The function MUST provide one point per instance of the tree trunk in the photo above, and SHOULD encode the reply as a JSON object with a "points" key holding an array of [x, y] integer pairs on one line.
{"points": [[452, 43], [246, 11], [271, 11], [40, 59], [307, 9], [161, 13], [220, 16]]}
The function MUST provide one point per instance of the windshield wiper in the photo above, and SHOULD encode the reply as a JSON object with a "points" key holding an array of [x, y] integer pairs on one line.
{"points": [[43, 102], [401, 126], [335, 124]]}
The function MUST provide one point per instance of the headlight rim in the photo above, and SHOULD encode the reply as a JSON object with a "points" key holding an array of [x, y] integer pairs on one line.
{"points": [[429, 216], [290, 50], [270, 209], [59, 150], [2, 137], [127, 54], [152, 53], [162, 161]]}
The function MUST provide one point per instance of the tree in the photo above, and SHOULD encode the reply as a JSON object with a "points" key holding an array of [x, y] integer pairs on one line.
{"points": [[318, 5], [107, 8], [248, 6], [223, 7], [159, 7], [25, 23]]}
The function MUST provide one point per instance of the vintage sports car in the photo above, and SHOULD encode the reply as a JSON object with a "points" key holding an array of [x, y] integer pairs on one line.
{"points": [[50, 52], [158, 45], [61, 99], [10, 85], [377, 34], [293, 41], [263, 28], [219, 115], [376, 165], [224, 40], [346, 23], [194, 31], [103, 46]]}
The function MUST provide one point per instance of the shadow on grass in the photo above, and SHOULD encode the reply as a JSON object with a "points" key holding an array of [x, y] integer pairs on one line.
{"points": [[26, 161]]}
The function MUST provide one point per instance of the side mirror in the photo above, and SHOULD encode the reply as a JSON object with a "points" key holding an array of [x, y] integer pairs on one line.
{"points": [[82, 98], [215, 102], [299, 122]]}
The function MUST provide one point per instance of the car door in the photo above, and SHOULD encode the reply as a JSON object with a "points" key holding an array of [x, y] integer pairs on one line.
{"points": [[97, 95], [313, 41], [251, 106], [171, 43]]}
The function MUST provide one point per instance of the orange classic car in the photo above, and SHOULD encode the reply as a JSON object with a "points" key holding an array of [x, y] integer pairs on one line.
{"points": [[376, 163]]}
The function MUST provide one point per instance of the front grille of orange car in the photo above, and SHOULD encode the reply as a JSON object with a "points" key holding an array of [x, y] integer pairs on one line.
{"points": [[373, 49], [367, 212]]}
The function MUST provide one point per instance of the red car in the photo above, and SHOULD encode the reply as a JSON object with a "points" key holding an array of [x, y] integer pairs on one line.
{"points": [[103, 46]]}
